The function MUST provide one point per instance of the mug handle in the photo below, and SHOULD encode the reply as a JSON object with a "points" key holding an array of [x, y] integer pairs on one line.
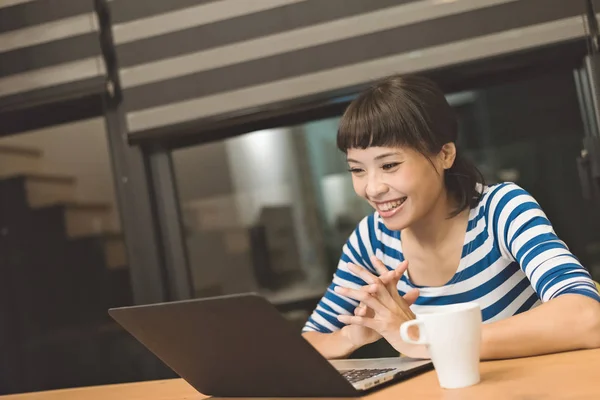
{"points": [[404, 332]]}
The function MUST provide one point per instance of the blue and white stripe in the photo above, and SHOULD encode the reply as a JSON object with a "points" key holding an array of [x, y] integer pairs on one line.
{"points": [[512, 261]]}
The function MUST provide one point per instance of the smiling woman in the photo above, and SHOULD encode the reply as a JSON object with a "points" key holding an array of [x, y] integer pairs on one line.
{"points": [[423, 122], [440, 236]]}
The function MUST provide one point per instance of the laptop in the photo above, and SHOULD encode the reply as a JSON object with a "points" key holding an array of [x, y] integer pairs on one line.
{"points": [[241, 346]]}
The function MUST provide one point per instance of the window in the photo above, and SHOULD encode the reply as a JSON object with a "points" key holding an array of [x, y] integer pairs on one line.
{"points": [[269, 211], [64, 263]]}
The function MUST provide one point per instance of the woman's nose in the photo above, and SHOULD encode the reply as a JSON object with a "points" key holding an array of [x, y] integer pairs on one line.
{"points": [[375, 188]]}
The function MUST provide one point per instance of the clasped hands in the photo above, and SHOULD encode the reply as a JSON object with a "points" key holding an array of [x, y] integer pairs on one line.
{"points": [[381, 310]]}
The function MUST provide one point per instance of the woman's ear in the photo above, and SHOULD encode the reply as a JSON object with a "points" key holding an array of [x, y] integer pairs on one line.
{"points": [[447, 155]]}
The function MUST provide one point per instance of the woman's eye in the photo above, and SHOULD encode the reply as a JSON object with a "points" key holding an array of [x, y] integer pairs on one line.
{"points": [[389, 166], [355, 170]]}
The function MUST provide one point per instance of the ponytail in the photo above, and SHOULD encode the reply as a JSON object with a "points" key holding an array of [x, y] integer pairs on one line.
{"points": [[463, 182]]}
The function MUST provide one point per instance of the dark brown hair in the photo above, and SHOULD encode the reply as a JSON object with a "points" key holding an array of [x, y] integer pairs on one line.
{"points": [[410, 111]]}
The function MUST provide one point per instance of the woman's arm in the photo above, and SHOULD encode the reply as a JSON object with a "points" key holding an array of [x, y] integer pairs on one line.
{"points": [[569, 317], [331, 345], [323, 330], [568, 322]]}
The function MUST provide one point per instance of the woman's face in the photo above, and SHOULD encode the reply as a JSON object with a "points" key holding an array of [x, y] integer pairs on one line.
{"points": [[399, 182]]}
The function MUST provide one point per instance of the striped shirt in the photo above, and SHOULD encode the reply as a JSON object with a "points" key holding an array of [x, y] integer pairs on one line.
{"points": [[511, 261]]}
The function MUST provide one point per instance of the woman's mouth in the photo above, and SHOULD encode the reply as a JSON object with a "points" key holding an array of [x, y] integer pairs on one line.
{"points": [[389, 208]]}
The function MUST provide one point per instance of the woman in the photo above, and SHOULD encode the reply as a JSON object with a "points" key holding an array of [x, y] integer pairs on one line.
{"points": [[440, 236]]}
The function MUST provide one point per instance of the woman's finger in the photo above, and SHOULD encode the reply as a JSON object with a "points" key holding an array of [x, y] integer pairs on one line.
{"points": [[362, 273], [382, 292], [354, 320], [390, 301], [390, 281], [363, 296], [391, 278], [405, 306], [379, 265], [360, 310], [402, 267], [411, 297], [396, 273]]}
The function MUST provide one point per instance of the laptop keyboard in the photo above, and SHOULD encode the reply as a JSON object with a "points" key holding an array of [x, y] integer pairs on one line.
{"points": [[356, 375]]}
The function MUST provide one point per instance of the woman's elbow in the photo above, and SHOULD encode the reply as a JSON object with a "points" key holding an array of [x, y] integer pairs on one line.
{"points": [[591, 322]]}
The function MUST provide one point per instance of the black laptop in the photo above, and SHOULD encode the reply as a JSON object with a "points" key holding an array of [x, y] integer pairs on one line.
{"points": [[241, 346]]}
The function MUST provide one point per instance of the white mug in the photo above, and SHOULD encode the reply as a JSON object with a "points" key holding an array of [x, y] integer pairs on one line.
{"points": [[453, 336]]}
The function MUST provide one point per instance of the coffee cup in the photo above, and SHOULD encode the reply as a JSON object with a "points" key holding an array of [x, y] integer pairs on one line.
{"points": [[452, 335]]}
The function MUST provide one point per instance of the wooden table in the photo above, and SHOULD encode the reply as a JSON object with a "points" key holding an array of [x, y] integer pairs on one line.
{"points": [[573, 375]]}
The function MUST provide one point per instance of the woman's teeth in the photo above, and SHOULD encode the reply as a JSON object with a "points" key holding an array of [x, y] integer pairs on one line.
{"points": [[392, 204]]}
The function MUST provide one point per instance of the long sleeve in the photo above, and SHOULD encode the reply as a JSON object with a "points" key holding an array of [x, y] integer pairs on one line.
{"points": [[357, 250], [525, 235]]}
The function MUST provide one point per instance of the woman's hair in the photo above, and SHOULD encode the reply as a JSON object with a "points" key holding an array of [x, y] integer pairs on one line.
{"points": [[410, 111]]}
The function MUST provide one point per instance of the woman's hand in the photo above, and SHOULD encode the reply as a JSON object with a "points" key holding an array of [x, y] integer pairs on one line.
{"points": [[361, 335], [381, 308]]}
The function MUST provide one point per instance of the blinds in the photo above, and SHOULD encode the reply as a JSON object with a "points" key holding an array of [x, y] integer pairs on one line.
{"points": [[187, 60], [46, 46]]}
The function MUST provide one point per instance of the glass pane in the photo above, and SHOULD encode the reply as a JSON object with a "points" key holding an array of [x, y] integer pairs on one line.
{"points": [[251, 218], [64, 263], [530, 132], [269, 211]]}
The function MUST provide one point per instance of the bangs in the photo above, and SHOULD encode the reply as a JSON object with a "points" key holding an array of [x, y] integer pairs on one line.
{"points": [[368, 123], [386, 115]]}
